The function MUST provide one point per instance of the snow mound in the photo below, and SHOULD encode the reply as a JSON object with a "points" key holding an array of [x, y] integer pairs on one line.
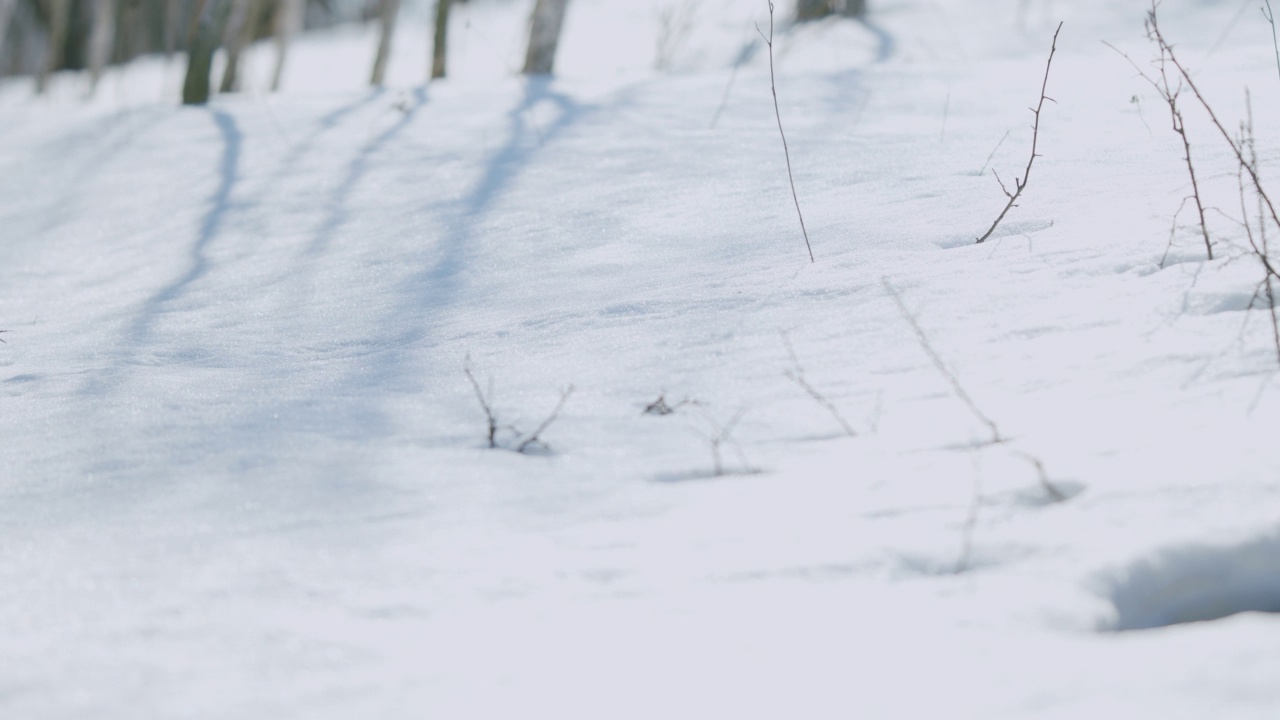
{"points": [[1199, 583]]}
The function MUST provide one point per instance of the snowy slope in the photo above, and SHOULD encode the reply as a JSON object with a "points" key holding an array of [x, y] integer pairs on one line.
{"points": [[244, 474]]}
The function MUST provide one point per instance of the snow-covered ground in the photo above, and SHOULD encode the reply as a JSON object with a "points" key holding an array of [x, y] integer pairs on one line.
{"points": [[243, 473]]}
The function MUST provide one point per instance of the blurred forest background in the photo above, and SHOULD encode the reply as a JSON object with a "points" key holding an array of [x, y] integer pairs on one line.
{"points": [[41, 37]]}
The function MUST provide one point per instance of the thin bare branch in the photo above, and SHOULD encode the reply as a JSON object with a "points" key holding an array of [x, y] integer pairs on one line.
{"points": [[937, 362], [796, 375], [1170, 94], [970, 521], [486, 403], [1054, 493], [535, 437], [1236, 149], [720, 434], [1260, 244], [994, 150], [1271, 20], [773, 86]]}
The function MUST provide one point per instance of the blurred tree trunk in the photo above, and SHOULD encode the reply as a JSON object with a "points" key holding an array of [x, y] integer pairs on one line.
{"points": [[387, 18], [544, 36], [101, 40], [240, 32], [208, 32], [813, 9], [172, 25], [810, 9], [288, 21], [6, 14], [59, 12], [440, 46]]}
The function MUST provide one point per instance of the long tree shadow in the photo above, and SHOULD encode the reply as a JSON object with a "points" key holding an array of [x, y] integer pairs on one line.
{"points": [[886, 44], [219, 204], [435, 287], [352, 407], [327, 122], [356, 170]]}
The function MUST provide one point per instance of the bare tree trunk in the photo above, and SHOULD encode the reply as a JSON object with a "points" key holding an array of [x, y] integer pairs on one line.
{"points": [[544, 36], [387, 18], [101, 38], [243, 25], [6, 14], [209, 27], [440, 48], [288, 21], [59, 14]]}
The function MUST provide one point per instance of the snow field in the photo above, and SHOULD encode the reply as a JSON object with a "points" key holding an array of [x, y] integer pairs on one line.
{"points": [[244, 474]]}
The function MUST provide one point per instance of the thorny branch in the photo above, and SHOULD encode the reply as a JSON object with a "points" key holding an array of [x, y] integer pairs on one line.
{"points": [[1021, 184]]}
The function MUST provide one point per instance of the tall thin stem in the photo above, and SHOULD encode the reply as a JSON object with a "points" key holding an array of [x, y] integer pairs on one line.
{"points": [[773, 85]]}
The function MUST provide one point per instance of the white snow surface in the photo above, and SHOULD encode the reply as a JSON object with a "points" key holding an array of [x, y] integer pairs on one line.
{"points": [[243, 474]]}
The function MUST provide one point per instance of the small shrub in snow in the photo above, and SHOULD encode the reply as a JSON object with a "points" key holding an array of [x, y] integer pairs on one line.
{"points": [[662, 407], [516, 441], [1242, 148]]}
